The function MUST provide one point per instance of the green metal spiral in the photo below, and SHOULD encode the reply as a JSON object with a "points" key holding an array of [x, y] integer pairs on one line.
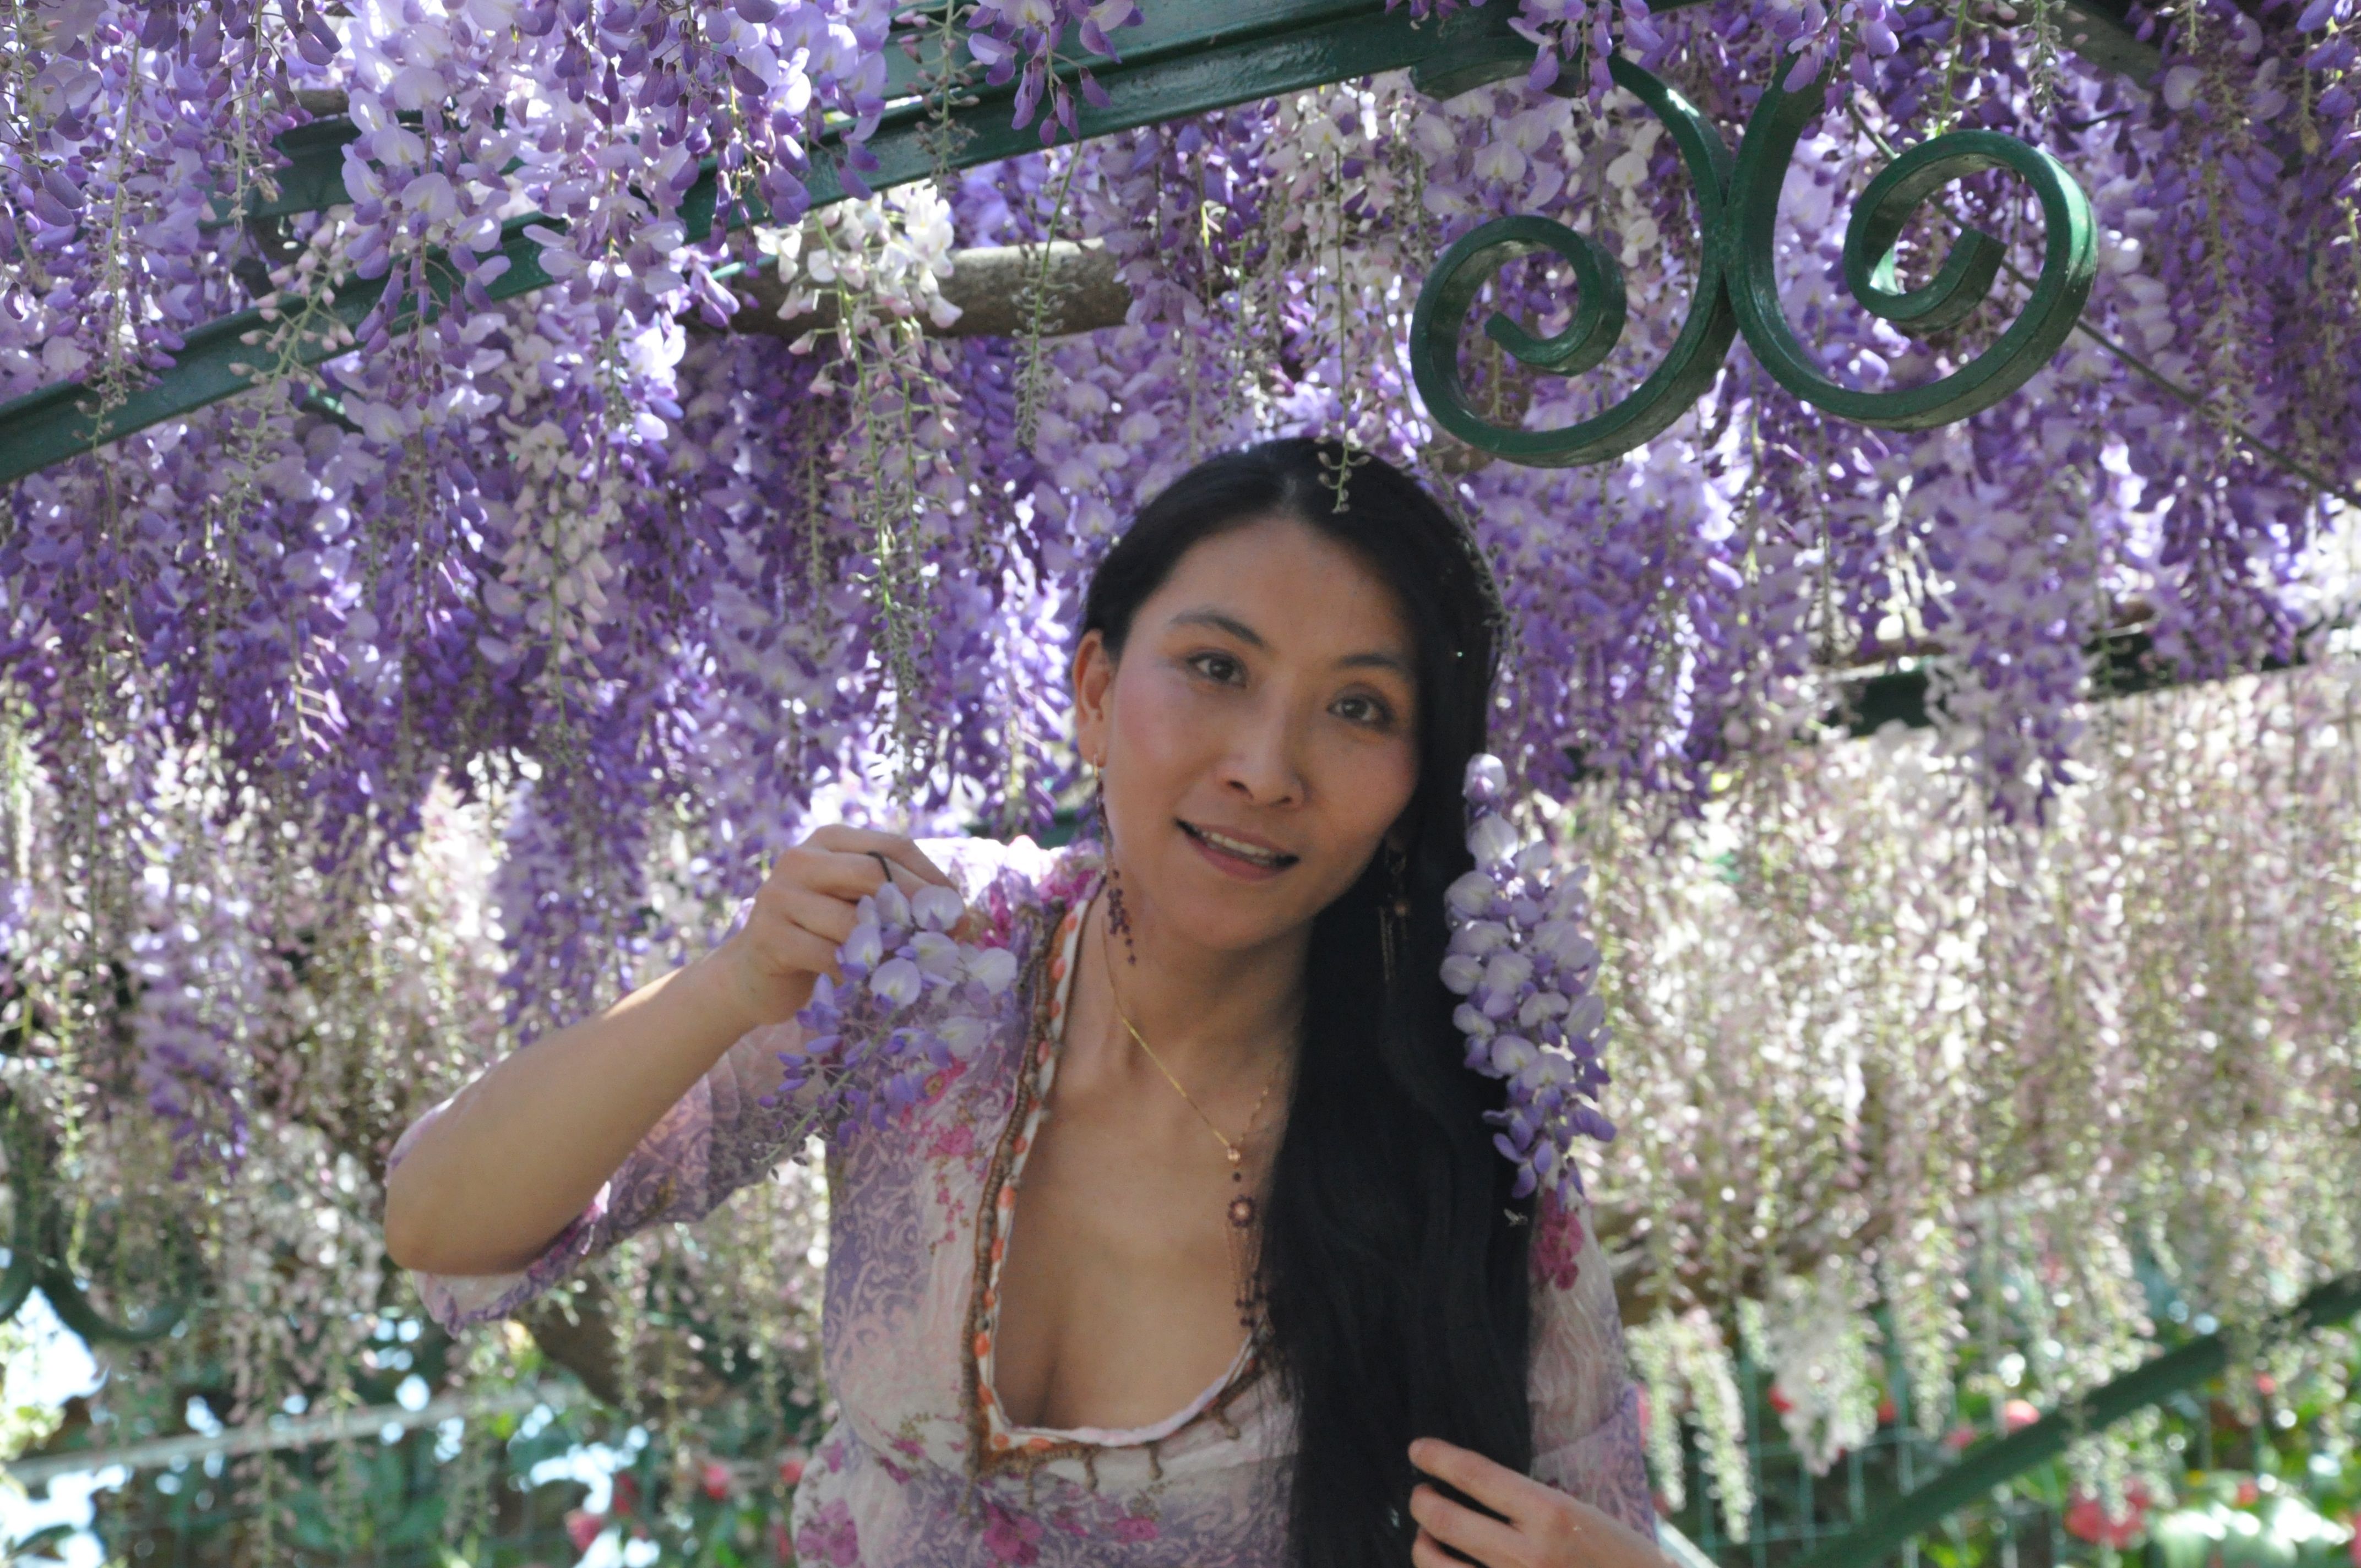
{"points": [[1738, 291], [2069, 264], [1598, 325]]}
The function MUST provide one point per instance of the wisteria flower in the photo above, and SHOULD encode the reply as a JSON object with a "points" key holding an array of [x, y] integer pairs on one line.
{"points": [[1518, 954], [914, 1002]]}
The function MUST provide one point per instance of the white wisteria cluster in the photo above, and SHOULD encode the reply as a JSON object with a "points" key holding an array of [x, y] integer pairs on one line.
{"points": [[2011, 1088], [1519, 955]]}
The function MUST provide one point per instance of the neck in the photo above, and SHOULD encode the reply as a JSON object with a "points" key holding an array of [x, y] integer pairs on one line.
{"points": [[1211, 1015]]}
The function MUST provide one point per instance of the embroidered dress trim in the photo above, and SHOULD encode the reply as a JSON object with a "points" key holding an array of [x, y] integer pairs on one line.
{"points": [[996, 1443]]}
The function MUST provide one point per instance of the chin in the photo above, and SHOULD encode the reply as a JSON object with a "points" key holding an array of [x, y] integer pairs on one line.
{"points": [[1226, 915]]}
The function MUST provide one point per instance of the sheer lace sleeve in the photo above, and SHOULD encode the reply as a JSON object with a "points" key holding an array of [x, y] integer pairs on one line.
{"points": [[714, 1140], [718, 1137], [1586, 1409]]}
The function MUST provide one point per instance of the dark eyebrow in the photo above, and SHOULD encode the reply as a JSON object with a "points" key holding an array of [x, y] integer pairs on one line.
{"points": [[1247, 635]]}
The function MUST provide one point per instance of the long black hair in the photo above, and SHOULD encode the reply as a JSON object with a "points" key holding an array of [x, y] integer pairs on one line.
{"points": [[1393, 1272]]}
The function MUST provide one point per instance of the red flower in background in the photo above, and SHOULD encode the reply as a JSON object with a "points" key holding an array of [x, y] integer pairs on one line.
{"points": [[715, 1479], [2018, 1413], [582, 1528], [2086, 1519]]}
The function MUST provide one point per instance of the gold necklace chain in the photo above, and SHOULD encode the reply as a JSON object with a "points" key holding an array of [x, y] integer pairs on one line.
{"points": [[1236, 1150]]}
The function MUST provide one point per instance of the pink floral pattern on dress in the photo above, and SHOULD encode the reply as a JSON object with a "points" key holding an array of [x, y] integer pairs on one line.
{"points": [[1009, 1536], [831, 1538], [896, 1484], [1557, 1244]]}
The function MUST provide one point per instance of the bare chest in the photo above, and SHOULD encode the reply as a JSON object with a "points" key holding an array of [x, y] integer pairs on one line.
{"points": [[1119, 1296]]}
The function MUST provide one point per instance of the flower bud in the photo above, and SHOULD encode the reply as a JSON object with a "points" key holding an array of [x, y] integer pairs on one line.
{"points": [[1478, 938], [992, 968], [862, 948], [897, 984], [964, 1035], [1540, 1007], [936, 954], [1486, 781], [1470, 895], [1511, 1053], [1492, 840], [936, 908], [1564, 944]]}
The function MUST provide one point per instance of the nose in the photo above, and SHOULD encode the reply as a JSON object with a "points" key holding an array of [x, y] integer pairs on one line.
{"points": [[1262, 766]]}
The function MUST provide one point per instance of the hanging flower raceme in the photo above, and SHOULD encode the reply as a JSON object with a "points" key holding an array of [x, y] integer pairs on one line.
{"points": [[1013, 36], [915, 1002], [1519, 955]]}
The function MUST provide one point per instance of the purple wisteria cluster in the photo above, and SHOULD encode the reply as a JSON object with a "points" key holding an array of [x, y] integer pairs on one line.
{"points": [[1519, 955], [914, 1004]]}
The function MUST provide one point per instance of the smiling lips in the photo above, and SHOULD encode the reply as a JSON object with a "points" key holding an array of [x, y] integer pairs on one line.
{"points": [[1235, 854]]}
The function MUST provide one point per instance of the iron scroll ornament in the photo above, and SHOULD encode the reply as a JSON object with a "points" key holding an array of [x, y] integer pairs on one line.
{"points": [[1737, 290]]}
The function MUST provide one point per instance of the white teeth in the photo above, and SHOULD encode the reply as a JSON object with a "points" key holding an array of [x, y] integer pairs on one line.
{"points": [[1244, 851]]}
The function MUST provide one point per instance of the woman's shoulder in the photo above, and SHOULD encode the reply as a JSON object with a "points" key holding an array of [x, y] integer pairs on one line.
{"points": [[1003, 881]]}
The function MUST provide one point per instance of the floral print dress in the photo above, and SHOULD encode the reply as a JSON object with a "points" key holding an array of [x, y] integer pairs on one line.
{"points": [[923, 1468]]}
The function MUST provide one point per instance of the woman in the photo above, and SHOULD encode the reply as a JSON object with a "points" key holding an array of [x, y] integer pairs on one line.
{"points": [[1269, 1270]]}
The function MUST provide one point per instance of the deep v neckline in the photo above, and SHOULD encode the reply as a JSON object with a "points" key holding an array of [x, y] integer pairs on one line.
{"points": [[999, 1440]]}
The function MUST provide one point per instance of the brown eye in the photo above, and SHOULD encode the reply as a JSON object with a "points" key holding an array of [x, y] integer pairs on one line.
{"points": [[1375, 713], [1220, 666]]}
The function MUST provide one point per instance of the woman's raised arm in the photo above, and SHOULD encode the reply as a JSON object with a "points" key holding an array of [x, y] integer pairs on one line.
{"points": [[486, 1182]]}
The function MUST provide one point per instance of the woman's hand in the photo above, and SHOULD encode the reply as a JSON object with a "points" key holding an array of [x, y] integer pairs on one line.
{"points": [[804, 911], [1540, 1526]]}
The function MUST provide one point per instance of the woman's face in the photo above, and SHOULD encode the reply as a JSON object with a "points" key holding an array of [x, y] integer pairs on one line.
{"points": [[1266, 695]]}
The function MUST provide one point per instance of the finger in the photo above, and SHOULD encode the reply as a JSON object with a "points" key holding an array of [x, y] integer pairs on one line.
{"points": [[829, 919], [850, 874], [1464, 1530], [793, 950], [1495, 1485], [894, 846], [1428, 1553]]}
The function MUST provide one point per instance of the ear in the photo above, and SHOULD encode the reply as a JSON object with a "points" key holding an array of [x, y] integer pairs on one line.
{"points": [[1093, 681]]}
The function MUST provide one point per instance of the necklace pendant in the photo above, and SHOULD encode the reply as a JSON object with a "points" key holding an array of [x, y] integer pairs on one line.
{"points": [[1235, 1153], [1242, 1211]]}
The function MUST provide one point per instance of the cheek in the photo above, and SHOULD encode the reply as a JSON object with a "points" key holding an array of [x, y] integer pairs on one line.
{"points": [[1169, 718], [1373, 784]]}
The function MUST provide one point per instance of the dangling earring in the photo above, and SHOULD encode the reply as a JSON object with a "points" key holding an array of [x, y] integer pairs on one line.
{"points": [[1118, 918], [1393, 914]]}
